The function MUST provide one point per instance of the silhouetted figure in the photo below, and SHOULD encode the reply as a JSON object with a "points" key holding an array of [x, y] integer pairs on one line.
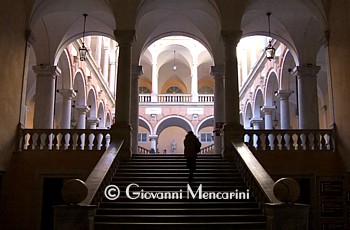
{"points": [[192, 147]]}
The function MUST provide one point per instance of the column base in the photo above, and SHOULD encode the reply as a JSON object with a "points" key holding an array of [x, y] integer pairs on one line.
{"points": [[123, 131], [287, 216], [232, 132], [69, 217]]}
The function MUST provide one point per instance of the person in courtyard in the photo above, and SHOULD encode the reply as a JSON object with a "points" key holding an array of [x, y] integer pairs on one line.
{"points": [[192, 147]]}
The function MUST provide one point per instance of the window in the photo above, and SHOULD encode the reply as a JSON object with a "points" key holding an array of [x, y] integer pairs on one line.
{"points": [[173, 89], [206, 90], [142, 137], [143, 89], [206, 138]]}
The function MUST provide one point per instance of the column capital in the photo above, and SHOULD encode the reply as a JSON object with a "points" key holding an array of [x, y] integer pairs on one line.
{"points": [[82, 108], [46, 70], [136, 71], [92, 120], [124, 36], [218, 71], [154, 136], [268, 109], [67, 93], [256, 120], [231, 36], [284, 94], [306, 70]]}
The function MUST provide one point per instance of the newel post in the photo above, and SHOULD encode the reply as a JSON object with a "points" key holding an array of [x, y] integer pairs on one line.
{"points": [[287, 214]]}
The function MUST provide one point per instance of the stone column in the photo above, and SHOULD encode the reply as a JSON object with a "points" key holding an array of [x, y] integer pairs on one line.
{"points": [[134, 107], [218, 73], [267, 110], [98, 52], [284, 95], [122, 129], [194, 81], [112, 72], [154, 94], [82, 110], [256, 121], [105, 59], [92, 122], [67, 95], [307, 98], [153, 139], [45, 96], [233, 131]]}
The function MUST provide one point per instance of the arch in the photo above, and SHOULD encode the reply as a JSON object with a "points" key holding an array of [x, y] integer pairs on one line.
{"points": [[248, 115], [206, 122], [101, 115], [91, 102], [145, 124], [287, 66], [173, 120], [79, 87], [108, 120], [271, 88], [258, 103]]}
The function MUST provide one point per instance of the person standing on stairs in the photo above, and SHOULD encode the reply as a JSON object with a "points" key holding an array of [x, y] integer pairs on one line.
{"points": [[192, 147]]}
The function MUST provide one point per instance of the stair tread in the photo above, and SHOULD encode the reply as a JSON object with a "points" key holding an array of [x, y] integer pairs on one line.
{"points": [[168, 173]]}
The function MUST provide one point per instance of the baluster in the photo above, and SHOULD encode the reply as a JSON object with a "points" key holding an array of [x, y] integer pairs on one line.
{"points": [[258, 142], [283, 142], [267, 141], [316, 141], [32, 141], [323, 141], [250, 141], [299, 142], [307, 141], [291, 142], [275, 142], [97, 141], [54, 141], [91, 144], [41, 140]]}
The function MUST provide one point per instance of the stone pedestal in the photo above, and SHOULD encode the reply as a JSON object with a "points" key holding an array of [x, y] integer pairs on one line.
{"points": [[287, 216], [123, 131], [74, 217]]}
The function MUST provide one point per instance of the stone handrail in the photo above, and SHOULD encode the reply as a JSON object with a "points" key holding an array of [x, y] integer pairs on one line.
{"points": [[141, 149], [102, 174], [174, 98], [144, 98], [259, 181], [63, 139], [290, 139], [206, 98], [207, 149]]}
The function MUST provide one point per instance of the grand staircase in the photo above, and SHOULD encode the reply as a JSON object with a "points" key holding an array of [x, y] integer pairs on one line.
{"points": [[161, 173]]}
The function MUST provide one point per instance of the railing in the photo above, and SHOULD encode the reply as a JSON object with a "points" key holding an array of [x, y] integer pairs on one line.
{"points": [[206, 98], [174, 98], [264, 140], [141, 149], [207, 149], [101, 176], [63, 139], [259, 181], [144, 98]]}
